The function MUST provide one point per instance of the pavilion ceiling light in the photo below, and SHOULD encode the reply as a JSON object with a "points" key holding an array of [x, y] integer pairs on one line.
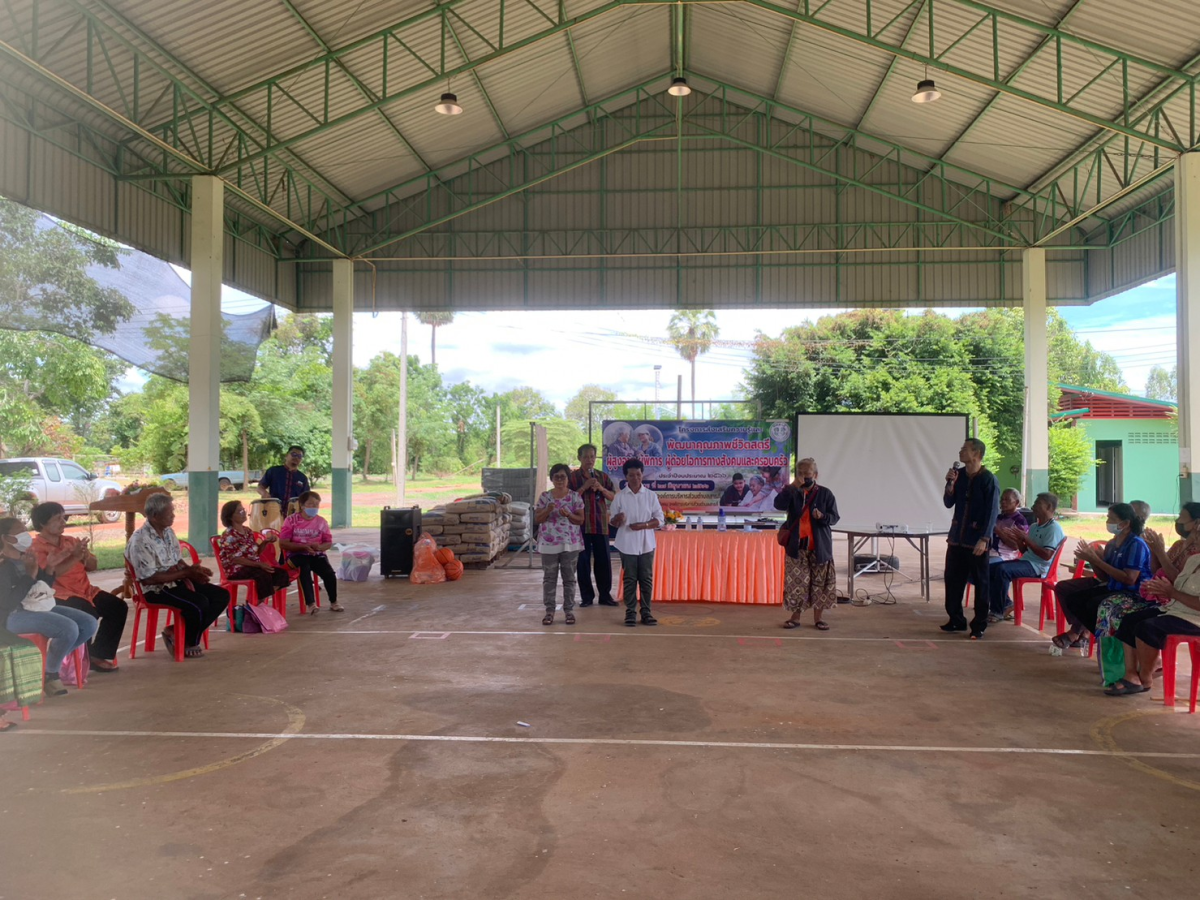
{"points": [[927, 91], [679, 87], [448, 105]]}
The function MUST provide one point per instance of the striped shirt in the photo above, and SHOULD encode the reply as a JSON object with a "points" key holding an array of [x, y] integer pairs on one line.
{"points": [[595, 507]]}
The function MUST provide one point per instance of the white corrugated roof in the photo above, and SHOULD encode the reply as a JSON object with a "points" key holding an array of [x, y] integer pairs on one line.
{"points": [[226, 51]]}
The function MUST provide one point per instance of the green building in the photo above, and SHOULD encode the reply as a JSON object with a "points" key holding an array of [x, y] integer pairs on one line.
{"points": [[1137, 442]]}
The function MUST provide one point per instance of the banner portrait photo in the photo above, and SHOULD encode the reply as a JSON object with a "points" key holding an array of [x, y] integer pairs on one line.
{"points": [[703, 466]]}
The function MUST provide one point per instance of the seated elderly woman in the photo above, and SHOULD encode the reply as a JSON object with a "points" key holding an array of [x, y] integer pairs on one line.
{"points": [[167, 580], [240, 554], [1144, 632], [27, 604], [69, 560]]}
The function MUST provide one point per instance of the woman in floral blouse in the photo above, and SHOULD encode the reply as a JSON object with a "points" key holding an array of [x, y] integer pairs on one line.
{"points": [[240, 551], [559, 512]]}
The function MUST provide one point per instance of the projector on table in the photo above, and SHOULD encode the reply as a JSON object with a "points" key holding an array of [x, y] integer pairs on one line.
{"points": [[891, 529]]}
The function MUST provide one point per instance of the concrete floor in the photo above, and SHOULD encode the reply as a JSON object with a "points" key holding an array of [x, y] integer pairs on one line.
{"points": [[377, 754]]}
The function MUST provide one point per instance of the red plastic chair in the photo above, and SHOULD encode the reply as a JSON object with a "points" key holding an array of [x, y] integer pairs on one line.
{"points": [[1060, 618], [233, 585], [1170, 658], [1048, 607], [43, 643], [269, 553], [140, 605]]}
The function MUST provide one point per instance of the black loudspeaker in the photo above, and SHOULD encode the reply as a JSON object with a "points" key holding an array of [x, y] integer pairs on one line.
{"points": [[398, 532]]}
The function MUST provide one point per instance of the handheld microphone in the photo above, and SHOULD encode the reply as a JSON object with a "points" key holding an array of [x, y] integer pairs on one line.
{"points": [[958, 464]]}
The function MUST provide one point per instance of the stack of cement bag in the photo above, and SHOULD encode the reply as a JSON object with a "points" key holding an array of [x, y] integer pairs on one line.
{"points": [[522, 523], [476, 528]]}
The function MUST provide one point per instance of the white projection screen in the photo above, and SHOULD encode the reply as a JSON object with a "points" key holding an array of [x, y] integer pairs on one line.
{"points": [[884, 469]]}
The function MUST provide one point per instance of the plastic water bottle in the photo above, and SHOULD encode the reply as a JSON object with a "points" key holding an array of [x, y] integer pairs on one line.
{"points": [[721, 519], [746, 524]]}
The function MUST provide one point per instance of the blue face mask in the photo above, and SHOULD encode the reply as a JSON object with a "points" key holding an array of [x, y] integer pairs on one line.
{"points": [[311, 511]]}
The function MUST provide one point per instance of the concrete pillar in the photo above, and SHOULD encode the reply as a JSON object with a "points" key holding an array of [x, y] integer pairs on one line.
{"points": [[204, 358], [343, 392], [1187, 312], [1037, 387]]}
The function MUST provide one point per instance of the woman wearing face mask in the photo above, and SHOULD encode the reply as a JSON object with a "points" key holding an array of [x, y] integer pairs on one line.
{"points": [[1119, 573], [1169, 562], [240, 554], [306, 537], [809, 576], [67, 629]]}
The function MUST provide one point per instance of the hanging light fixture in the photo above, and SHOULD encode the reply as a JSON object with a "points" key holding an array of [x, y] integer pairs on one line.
{"points": [[448, 105], [927, 91], [679, 87]]}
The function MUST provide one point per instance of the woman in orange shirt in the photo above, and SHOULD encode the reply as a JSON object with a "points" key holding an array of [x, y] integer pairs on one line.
{"points": [[69, 560]]}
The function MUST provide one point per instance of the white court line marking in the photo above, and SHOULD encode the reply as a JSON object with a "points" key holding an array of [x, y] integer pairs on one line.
{"points": [[607, 742], [429, 635], [368, 615], [642, 633]]}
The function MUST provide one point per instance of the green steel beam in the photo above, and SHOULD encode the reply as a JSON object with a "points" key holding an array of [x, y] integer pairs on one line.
{"points": [[944, 34], [479, 84], [364, 91], [583, 94], [1046, 41], [142, 61], [418, 204], [436, 64], [894, 64], [743, 240]]}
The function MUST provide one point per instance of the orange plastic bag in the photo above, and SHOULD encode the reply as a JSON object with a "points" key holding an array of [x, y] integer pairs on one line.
{"points": [[426, 568]]}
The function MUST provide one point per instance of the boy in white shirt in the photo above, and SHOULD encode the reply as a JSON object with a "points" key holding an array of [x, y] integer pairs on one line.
{"points": [[636, 513]]}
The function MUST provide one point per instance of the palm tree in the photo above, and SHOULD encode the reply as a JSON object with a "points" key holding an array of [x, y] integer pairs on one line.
{"points": [[692, 332], [433, 320]]}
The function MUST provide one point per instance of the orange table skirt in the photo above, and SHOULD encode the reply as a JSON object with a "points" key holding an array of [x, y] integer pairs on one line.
{"points": [[718, 567]]}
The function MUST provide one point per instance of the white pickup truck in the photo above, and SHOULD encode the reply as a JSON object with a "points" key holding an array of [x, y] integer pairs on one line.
{"points": [[62, 481]]}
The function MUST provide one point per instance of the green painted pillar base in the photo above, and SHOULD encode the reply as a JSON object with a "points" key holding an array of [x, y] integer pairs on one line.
{"points": [[1039, 483], [202, 509], [342, 510], [1189, 488]]}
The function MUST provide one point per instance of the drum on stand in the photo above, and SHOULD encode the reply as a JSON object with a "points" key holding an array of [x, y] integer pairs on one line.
{"points": [[265, 515]]}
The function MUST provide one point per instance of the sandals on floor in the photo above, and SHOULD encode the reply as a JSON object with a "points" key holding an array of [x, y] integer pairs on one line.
{"points": [[821, 626], [548, 619], [193, 653], [1063, 641], [569, 618], [790, 623], [1125, 688], [336, 607], [7, 725]]}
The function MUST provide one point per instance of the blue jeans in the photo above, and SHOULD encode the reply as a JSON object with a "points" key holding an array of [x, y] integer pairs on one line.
{"points": [[66, 628], [1001, 574]]}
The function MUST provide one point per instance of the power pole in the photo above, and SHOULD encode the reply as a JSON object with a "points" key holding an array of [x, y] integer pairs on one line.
{"points": [[402, 420]]}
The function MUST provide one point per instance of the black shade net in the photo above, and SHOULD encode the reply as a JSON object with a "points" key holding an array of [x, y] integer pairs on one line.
{"points": [[139, 310]]}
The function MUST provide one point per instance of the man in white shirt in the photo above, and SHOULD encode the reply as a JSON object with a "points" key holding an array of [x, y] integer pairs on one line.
{"points": [[636, 513]]}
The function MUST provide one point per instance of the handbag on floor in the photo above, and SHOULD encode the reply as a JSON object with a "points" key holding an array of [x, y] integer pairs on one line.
{"points": [[68, 673], [263, 619]]}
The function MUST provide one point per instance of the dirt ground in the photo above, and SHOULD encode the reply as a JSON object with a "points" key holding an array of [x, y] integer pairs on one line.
{"points": [[438, 742]]}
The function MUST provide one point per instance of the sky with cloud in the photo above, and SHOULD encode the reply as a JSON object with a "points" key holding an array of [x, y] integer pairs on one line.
{"points": [[558, 352]]}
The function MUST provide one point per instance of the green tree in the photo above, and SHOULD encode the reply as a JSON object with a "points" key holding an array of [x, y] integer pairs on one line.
{"points": [[524, 403], [1077, 362], [692, 332], [473, 417], [45, 380], [563, 438], [1161, 384], [44, 285], [1070, 459], [578, 406], [434, 320]]}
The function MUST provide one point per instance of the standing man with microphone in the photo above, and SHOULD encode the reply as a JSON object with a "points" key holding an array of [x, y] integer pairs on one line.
{"points": [[974, 495]]}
